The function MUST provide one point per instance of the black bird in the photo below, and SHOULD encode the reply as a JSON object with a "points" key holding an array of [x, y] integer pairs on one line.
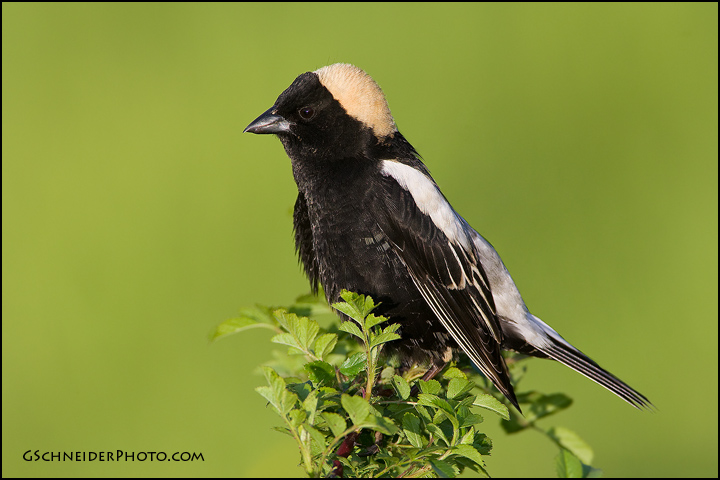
{"points": [[369, 218]]}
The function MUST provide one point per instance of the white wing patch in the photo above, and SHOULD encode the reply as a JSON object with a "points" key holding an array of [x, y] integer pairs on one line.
{"points": [[429, 200]]}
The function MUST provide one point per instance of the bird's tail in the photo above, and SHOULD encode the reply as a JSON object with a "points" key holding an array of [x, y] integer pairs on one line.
{"points": [[557, 348]]}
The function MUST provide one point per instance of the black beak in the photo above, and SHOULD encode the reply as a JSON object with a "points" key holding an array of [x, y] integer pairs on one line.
{"points": [[269, 122]]}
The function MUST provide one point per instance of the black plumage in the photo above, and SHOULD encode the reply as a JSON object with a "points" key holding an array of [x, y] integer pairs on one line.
{"points": [[369, 218]]}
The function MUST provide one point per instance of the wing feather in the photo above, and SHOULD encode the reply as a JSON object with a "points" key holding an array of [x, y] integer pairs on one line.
{"points": [[449, 277]]}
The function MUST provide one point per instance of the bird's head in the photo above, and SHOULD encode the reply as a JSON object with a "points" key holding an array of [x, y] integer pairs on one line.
{"points": [[334, 112]]}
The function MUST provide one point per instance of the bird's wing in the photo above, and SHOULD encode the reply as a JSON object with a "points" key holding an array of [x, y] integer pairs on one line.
{"points": [[304, 241], [434, 244]]}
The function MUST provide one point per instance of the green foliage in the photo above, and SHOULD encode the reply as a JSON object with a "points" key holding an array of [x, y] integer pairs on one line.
{"points": [[355, 412]]}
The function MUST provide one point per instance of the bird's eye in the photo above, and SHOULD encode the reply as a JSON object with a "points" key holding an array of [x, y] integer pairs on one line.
{"points": [[306, 113]]}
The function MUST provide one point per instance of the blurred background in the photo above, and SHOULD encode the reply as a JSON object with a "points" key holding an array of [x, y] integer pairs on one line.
{"points": [[581, 140]]}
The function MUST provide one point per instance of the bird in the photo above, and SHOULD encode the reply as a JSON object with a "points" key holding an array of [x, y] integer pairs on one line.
{"points": [[369, 218]]}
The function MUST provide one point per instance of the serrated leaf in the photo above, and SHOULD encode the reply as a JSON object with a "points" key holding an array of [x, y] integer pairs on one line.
{"points": [[423, 413], [287, 339], [351, 328], [413, 432], [467, 418], [307, 331], [297, 417], [471, 419], [284, 430], [369, 305], [349, 309], [321, 373], [568, 465], [288, 401], [335, 422], [482, 444], [301, 329], [302, 390], [454, 372], [435, 401], [491, 403], [316, 436], [353, 365], [372, 320], [392, 328], [572, 442], [357, 407], [383, 338], [431, 387], [380, 424], [310, 405], [458, 386], [443, 469], [237, 325], [437, 432], [402, 387], [468, 451], [469, 436], [276, 383], [324, 345], [269, 395]]}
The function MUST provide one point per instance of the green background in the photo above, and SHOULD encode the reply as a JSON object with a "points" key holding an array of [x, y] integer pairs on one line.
{"points": [[581, 140]]}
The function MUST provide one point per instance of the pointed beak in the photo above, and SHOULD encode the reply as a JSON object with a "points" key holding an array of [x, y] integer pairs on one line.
{"points": [[269, 122]]}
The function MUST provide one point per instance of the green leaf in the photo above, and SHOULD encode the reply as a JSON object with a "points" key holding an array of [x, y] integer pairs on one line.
{"points": [[302, 390], [469, 437], [467, 418], [310, 405], [491, 403], [352, 307], [568, 465], [458, 386], [357, 407], [289, 340], [383, 338], [302, 329], [316, 436], [353, 365], [297, 417], [324, 345], [435, 401], [413, 432], [380, 424], [468, 451], [372, 320], [437, 432], [284, 430], [402, 387], [237, 325], [443, 469], [277, 384], [572, 442], [454, 372], [269, 395], [335, 422], [482, 444], [321, 373], [432, 387], [307, 331], [352, 328]]}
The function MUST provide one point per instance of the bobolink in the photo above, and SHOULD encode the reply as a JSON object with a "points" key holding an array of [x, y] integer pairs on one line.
{"points": [[369, 218]]}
